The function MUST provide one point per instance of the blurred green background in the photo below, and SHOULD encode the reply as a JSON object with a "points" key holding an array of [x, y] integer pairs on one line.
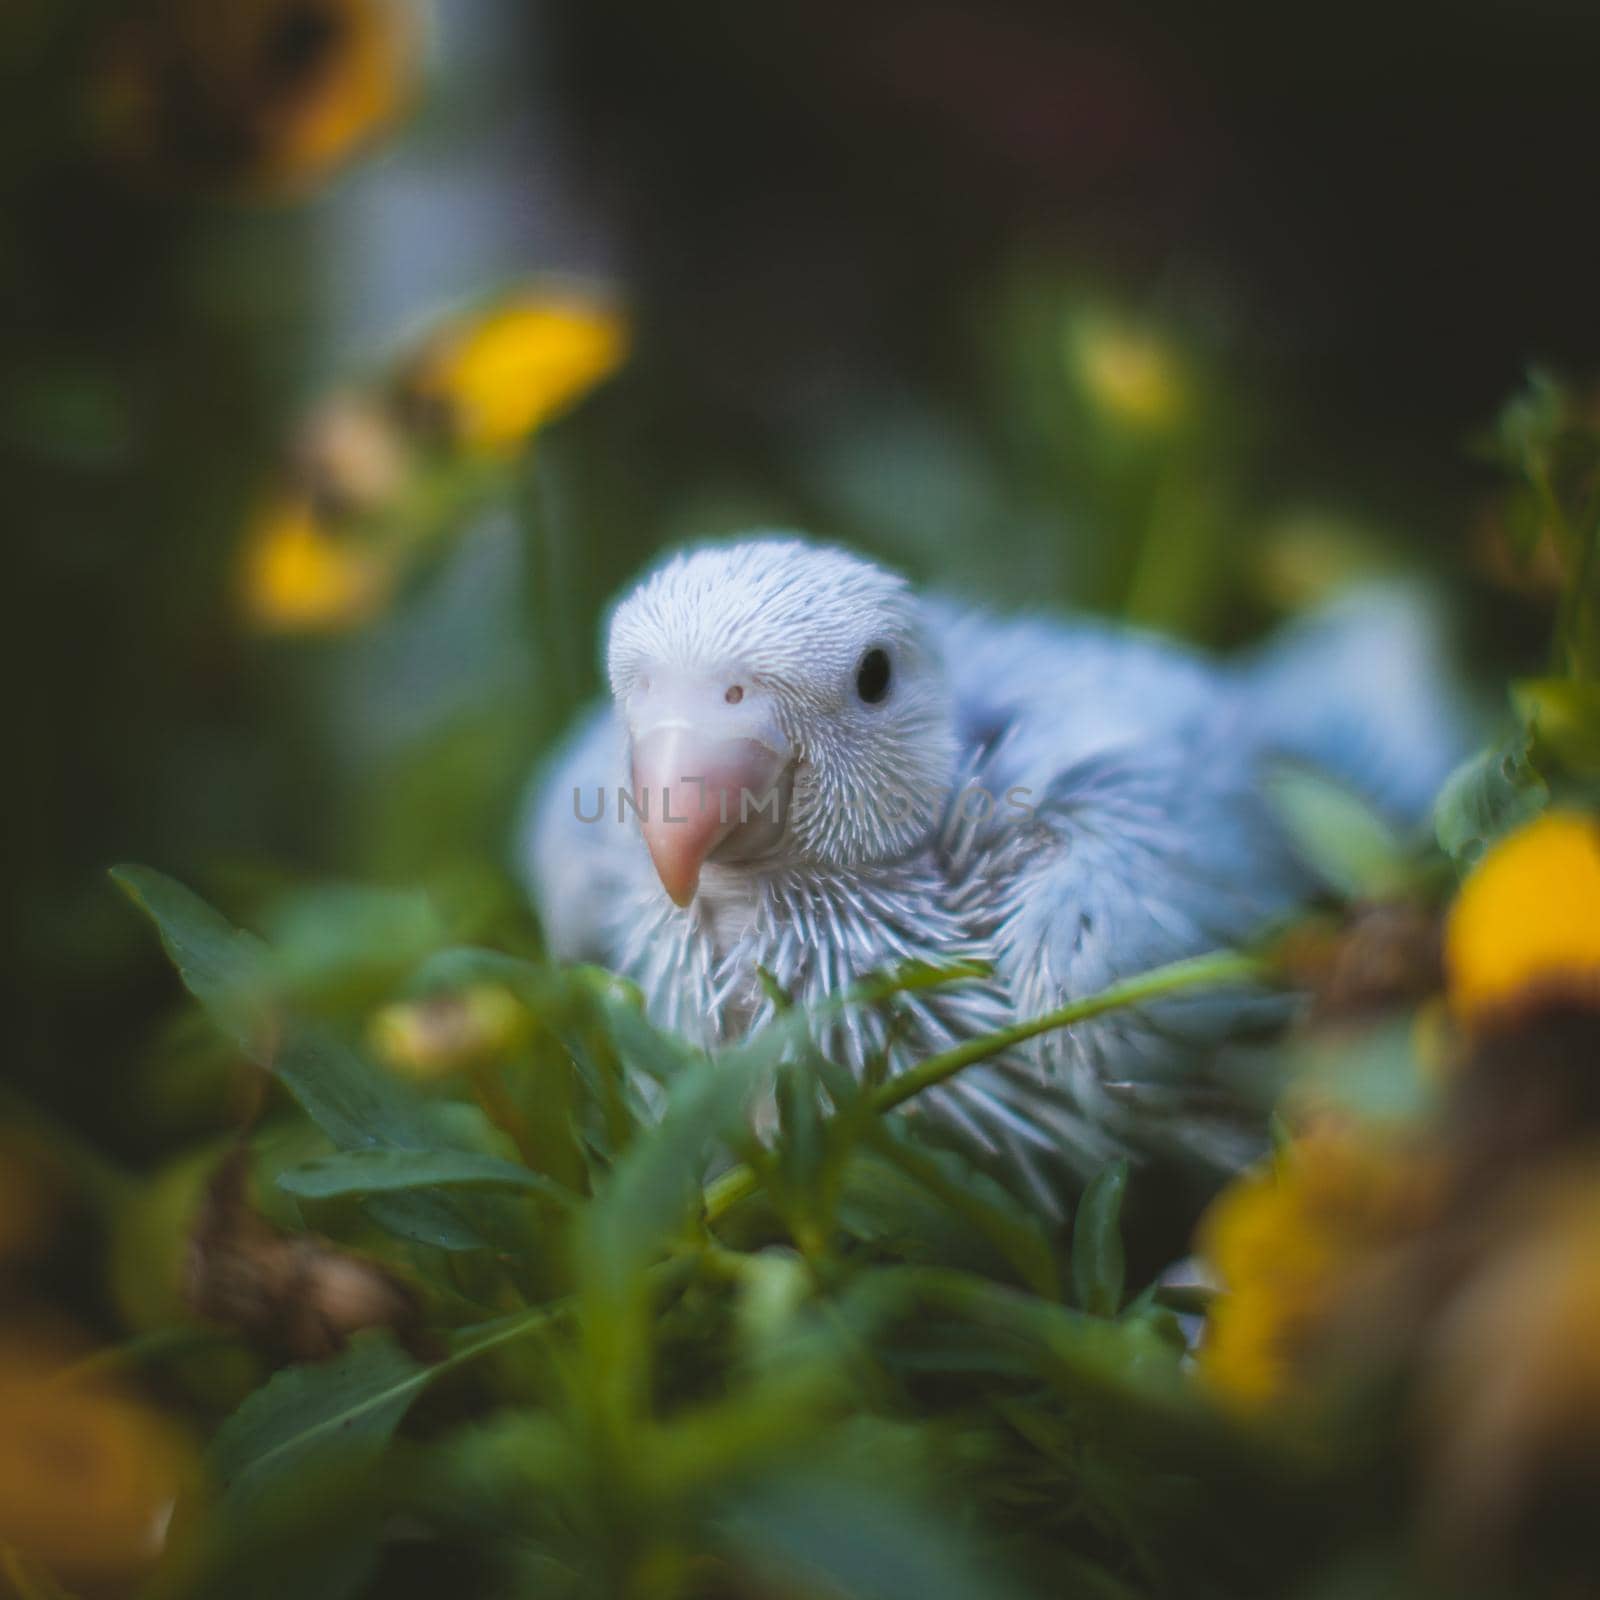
{"points": [[1175, 311]]}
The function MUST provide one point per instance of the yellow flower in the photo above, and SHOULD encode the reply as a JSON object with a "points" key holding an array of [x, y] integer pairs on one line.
{"points": [[257, 96], [464, 1028], [492, 382], [1129, 374], [299, 577], [1526, 925], [1285, 1242], [344, 68], [89, 1476]]}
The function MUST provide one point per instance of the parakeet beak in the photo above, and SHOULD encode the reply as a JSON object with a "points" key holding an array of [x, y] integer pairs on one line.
{"points": [[705, 774]]}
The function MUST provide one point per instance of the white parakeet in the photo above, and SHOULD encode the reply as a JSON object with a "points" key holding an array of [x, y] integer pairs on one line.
{"points": [[809, 772]]}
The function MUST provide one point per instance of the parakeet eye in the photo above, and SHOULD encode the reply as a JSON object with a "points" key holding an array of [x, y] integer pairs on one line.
{"points": [[872, 676]]}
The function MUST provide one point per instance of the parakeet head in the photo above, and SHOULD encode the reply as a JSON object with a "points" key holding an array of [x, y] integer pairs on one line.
{"points": [[783, 704]]}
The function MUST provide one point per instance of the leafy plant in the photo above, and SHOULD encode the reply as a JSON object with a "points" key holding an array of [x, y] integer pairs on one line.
{"points": [[674, 1355]]}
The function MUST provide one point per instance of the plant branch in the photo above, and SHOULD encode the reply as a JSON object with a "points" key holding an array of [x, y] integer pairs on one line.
{"points": [[1220, 967]]}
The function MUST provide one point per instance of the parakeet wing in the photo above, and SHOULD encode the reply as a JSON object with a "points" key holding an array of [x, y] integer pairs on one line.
{"points": [[1148, 839]]}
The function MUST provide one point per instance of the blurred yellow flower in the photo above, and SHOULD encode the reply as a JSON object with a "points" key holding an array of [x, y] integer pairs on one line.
{"points": [[1526, 924], [445, 1032], [89, 1476], [1131, 376], [1285, 1242], [489, 383], [300, 577], [257, 96]]}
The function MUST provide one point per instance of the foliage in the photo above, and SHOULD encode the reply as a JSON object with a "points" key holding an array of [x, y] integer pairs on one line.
{"points": [[825, 1382]]}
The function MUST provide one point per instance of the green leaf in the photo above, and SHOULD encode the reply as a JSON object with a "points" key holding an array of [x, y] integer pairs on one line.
{"points": [[350, 942], [346, 1409], [351, 1099], [802, 1147], [1488, 796], [648, 1200], [655, 1186], [301, 1510], [360, 1107], [508, 1471], [355, 1103], [1341, 837], [978, 1201], [1125, 1368], [643, 1047], [859, 1541], [361, 1172], [226, 969], [789, 1405], [916, 977], [1097, 1258], [543, 1084]]}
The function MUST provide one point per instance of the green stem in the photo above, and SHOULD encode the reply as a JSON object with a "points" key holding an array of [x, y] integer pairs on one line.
{"points": [[1220, 967], [664, 1277]]}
